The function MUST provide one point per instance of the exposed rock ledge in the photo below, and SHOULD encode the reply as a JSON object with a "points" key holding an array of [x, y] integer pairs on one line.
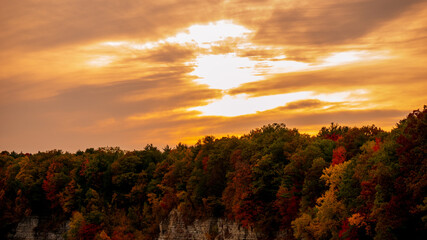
{"points": [[174, 228], [28, 229]]}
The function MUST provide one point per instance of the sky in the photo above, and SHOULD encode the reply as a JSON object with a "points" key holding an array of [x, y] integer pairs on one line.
{"points": [[76, 74]]}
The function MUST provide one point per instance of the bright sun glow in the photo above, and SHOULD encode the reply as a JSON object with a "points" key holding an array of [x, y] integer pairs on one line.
{"points": [[204, 35], [225, 71], [242, 104]]}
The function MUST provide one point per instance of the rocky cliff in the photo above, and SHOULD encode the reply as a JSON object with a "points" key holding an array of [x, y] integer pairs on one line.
{"points": [[31, 228], [174, 228]]}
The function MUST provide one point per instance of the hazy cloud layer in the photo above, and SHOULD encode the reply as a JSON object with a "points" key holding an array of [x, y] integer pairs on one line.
{"points": [[33, 24], [328, 22]]}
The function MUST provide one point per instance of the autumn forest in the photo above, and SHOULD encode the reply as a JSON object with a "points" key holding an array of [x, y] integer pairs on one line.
{"points": [[343, 183]]}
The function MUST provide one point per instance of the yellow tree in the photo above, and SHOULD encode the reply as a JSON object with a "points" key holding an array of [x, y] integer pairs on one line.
{"points": [[324, 221]]}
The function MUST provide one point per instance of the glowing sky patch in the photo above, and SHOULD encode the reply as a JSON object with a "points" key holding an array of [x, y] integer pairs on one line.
{"points": [[134, 45], [225, 71], [242, 104], [339, 58], [350, 96], [100, 61], [204, 35], [114, 43]]}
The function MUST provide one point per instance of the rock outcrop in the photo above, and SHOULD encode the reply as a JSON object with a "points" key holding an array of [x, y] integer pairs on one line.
{"points": [[29, 229], [174, 228]]}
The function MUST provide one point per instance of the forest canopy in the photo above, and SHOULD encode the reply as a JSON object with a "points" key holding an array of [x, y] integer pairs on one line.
{"points": [[344, 183]]}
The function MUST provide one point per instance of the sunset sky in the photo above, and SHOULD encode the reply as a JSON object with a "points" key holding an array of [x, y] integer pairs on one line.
{"points": [[76, 74]]}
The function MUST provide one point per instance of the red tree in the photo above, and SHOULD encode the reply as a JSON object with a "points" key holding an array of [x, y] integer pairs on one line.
{"points": [[88, 232], [49, 184], [338, 155]]}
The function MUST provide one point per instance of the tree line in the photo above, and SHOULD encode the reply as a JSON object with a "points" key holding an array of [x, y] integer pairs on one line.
{"points": [[344, 183]]}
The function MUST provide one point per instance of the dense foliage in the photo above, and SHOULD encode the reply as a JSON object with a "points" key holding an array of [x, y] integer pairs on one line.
{"points": [[345, 183]]}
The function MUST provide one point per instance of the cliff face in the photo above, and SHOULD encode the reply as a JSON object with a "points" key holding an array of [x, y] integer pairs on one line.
{"points": [[30, 229], [174, 228]]}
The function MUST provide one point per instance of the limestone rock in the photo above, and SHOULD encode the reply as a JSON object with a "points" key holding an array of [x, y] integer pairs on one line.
{"points": [[28, 229], [174, 228]]}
